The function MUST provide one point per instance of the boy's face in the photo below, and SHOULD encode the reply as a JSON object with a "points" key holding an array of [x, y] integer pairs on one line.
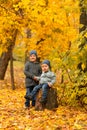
{"points": [[33, 57], [45, 67]]}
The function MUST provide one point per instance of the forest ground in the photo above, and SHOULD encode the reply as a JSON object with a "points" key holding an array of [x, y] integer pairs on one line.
{"points": [[13, 116]]}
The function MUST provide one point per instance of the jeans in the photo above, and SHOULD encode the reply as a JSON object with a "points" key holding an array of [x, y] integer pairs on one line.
{"points": [[28, 91], [44, 88]]}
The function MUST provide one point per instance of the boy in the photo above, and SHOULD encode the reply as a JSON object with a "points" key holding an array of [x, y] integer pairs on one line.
{"points": [[46, 80], [32, 69]]}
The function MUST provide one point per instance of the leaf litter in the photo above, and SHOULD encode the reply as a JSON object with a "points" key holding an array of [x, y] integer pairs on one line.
{"points": [[13, 116]]}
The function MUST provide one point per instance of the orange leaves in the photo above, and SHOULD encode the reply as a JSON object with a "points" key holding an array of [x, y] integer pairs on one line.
{"points": [[14, 117], [55, 21], [55, 24]]}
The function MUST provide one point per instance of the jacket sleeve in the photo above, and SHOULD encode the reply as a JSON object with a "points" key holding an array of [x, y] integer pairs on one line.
{"points": [[40, 70], [53, 79], [38, 78], [26, 71]]}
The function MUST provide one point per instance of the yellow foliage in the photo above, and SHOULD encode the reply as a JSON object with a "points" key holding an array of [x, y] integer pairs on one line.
{"points": [[1, 51], [54, 21], [85, 35]]}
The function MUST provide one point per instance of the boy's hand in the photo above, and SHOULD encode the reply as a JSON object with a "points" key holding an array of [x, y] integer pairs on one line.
{"points": [[35, 78], [49, 84]]}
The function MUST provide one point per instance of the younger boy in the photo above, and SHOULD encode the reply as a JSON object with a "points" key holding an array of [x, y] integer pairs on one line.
{"points": [[46, 80], [32, 69]]}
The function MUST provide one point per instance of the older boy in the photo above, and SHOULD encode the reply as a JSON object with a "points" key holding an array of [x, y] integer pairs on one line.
{"points": [[32, 69]]}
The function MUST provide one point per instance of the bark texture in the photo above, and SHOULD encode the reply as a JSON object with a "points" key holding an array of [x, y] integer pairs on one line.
{"points": [[52, 100]]}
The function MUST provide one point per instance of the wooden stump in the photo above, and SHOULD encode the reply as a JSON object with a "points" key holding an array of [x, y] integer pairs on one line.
{"points": [[52, 100]]}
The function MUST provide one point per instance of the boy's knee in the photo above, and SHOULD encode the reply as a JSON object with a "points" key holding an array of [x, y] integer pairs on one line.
{"points": [[45, 86]]}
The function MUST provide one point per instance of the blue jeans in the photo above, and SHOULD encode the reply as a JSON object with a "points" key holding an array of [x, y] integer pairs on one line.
{"points": [[28, 92], [44, 88]]}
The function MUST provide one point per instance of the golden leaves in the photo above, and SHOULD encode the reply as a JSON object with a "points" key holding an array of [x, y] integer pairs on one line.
{"points": [[14, 117], [47, 20], [25, 3]]}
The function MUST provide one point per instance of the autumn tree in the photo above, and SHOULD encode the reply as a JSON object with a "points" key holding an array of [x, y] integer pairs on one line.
{"points": [[8, 34], [75, 78], [47, 25], [52, 28]]}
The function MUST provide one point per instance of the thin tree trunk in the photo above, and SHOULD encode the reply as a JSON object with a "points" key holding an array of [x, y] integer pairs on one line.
{"points": [[12, 72]]}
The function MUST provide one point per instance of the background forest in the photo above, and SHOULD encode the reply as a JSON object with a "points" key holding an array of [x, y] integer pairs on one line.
{"points": [[58, 31]]}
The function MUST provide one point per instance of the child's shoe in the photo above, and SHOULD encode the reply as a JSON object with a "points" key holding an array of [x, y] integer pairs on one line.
{"points": [[29, 97], [26, 97]]}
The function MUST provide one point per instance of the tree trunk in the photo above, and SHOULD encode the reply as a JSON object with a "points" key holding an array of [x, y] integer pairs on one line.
{"points": [[83, 21], [52, 100], [12, 72], [3, 64], [83, 16], [5, 57]]}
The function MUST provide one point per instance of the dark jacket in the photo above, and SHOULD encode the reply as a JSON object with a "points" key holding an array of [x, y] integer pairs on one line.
{"points": [[31, 69]]}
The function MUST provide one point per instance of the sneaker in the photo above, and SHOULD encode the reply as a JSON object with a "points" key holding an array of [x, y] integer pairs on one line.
{"points": [[26, 97]]}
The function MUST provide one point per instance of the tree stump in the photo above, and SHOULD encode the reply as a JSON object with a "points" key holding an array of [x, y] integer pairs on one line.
{"points": [[52, 100]]}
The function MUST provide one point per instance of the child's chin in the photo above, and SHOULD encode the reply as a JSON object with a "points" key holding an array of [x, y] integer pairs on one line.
{"points": [[45, 70], [33, 60]]}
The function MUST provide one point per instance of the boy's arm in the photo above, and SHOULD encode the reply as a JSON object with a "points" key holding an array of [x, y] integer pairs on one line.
{"points": [[40, 70], [53, 80], [36, 78], [26, 71]]}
